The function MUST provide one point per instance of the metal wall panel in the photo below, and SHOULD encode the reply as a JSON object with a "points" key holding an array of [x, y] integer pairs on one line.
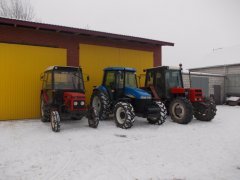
{"points": [[94, 59], [201, 82], [233, 84], [20, 69]]}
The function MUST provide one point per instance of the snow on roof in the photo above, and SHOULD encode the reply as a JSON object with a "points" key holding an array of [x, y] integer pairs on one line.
{"points": [[203, 74]]}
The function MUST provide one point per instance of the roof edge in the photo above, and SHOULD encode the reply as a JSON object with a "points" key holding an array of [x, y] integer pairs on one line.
{"points": [[206, 67], [79, 31]]}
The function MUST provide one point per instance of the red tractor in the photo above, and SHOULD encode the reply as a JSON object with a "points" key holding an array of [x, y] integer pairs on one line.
{"points": [[63, 97], [166, 83]]}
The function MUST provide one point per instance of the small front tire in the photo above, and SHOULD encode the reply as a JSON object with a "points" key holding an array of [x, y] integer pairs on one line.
{"points": [[93, 118], [55, 121], [124, 115], [205, 111]]}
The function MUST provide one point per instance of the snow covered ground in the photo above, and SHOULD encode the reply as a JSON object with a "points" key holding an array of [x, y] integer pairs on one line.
{"points": [[199, 150]]}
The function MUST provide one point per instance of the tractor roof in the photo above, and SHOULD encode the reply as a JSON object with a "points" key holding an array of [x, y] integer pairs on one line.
{"points": [[164, 67], [61, 67], [119, 69]]}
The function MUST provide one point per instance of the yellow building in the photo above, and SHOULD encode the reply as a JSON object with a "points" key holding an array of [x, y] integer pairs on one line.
{"points": [[27, 49]]}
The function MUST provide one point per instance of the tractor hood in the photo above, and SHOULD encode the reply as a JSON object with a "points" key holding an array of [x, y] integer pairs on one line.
{"points": [[136, 93]]}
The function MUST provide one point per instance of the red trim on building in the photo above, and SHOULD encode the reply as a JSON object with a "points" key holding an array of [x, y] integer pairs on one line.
{"points": [[157, 56], [37, 34]]}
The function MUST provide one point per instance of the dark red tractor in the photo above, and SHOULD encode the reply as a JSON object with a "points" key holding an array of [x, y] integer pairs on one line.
{"points": [[166, 83], [63, 97]]}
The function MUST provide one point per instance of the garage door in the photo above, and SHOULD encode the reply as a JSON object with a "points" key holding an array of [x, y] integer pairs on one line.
{"points": [[94, 59], [20, 69]]}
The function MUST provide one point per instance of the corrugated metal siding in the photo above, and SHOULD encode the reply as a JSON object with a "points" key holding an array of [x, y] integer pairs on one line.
{"points": [[213, 80], [20, 69], [94, 59], [233, 84]]}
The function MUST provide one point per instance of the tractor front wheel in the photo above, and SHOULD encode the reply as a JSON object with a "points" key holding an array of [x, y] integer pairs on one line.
{"points": [[101, 103], [162, 114], [93, 118], [124, 115], [181, 110], [205, 111], [55, 121]]}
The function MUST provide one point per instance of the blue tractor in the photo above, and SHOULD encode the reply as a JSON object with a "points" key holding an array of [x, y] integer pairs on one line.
{"points": [[120, 95]]}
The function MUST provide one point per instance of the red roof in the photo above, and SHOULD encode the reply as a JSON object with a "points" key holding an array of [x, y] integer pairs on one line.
{"points": [[77, 31]]}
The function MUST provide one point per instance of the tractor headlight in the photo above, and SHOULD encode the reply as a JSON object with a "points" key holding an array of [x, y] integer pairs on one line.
{"points": [[82, 103], [75, 103]]}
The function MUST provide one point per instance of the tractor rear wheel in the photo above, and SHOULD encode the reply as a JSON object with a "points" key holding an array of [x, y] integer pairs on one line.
{"points": [[124, 115], [93, 118], [45, 117], [101, 103], [55, 121], [205, 111], [181, 110], [163, 114]]}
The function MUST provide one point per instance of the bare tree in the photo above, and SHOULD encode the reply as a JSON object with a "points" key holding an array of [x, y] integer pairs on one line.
{"points": [[17, 9]]}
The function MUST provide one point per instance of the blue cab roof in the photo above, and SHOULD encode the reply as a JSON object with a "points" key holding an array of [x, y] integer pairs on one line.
{"points": [[120, 69]]}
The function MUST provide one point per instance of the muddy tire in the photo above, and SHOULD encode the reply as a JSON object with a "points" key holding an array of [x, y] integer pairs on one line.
{"points": [[181, 110], [205, 111], [163, 114], [101, 103], [124, 115], [93, 118], [45, 116], [55, 121]]}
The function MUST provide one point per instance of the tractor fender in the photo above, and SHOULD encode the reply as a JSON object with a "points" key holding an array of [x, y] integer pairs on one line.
{"points": [[100, 89]]}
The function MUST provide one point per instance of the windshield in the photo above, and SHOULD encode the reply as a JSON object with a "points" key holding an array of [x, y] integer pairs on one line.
{"points": [[173, 79], [68, 80], [130, 79]]}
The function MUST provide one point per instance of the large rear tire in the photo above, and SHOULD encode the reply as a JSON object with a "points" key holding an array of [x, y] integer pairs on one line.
{"points": [[101, 103], [124, 115], [45, 116], [55, 121], [181, 110], [205, 111], [163, 114]]}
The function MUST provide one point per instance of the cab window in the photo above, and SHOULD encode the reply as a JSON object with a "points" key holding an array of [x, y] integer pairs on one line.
{"points": [[110, 80], [47, 81]]}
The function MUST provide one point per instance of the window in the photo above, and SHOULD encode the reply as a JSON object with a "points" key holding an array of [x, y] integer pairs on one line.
{"points": [[68, 80], [173, 79], [130, 80], [110, 80], [47, 81], [150, 77]]}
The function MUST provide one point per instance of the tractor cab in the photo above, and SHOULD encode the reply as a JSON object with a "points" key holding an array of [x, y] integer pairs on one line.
{"points": [[64, 85], [121, 82], [166, 79], [63, 95]]}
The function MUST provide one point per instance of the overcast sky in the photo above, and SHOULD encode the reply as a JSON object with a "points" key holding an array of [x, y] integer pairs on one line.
{"points": [[195, 26]]}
